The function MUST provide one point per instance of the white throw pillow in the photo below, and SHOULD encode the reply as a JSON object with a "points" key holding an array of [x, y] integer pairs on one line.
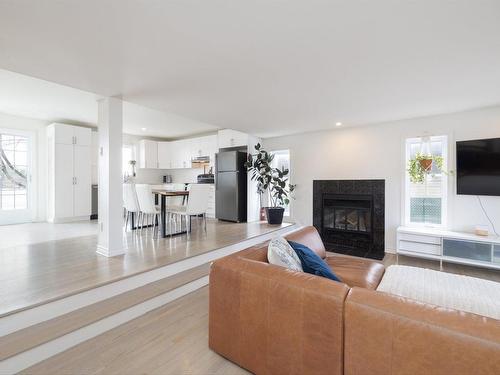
{"points": [[280, 253]]}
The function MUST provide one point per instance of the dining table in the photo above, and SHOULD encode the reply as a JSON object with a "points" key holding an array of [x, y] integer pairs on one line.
{"points": [[162, 195]]}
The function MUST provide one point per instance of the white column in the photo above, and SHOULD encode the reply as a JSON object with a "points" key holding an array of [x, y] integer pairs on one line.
{"points": [[110, 242]]}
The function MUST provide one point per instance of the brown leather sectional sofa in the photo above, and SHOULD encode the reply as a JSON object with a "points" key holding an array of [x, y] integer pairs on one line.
{"points": [[271, 320]]}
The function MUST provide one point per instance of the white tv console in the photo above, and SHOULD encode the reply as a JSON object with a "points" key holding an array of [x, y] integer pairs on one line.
{"points": [[448, 246]]}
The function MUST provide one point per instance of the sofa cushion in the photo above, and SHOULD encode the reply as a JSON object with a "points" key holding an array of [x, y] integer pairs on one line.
{"points": [[310, 237], [280, 253], [356, 271], [312, 263]]}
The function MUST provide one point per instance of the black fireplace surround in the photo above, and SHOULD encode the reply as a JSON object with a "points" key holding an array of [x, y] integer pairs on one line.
{"points": [[349, 215]]}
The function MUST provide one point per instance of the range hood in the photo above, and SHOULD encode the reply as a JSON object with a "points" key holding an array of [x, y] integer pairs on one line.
{"points": [[200, 161]]}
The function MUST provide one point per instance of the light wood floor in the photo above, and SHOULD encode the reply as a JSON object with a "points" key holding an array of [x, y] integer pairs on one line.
{"points": [[32, 274], [170, 340], [174, 339]]}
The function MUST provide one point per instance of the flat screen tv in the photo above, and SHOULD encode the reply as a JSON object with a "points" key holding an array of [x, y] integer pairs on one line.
{"points": [[478, 167]]}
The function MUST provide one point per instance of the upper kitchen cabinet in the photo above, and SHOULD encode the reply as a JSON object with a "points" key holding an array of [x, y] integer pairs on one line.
{"points": [[176, 154], [165, 155], [181, 154], [71, 135], [232, 138], [148, 154], [203, 146]]}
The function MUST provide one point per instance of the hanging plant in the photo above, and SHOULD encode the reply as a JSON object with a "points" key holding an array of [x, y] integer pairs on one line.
{"points": [[421, 166]]}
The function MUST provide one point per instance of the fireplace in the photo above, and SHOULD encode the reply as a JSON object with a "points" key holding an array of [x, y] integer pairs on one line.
{"points": [[349, 215]]}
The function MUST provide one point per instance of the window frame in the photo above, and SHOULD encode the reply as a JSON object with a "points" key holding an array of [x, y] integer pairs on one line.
{"points": [[288, 210], [133, 149], [28, 214], [445, 182]]}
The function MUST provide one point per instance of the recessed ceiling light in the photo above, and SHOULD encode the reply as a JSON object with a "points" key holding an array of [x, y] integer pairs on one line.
{"points": [[338, 124], [143, 129]]}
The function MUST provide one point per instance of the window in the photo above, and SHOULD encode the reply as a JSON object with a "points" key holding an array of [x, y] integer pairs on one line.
{"points": [[425, 203], [13, 171], [128, 155], [282, 160]]}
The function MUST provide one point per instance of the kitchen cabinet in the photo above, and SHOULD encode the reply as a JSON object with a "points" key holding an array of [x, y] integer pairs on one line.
{"points": [[231, 138], [181, 154], [148, 154], [69, 172], [165, 155], [176, 154], [211, 202]]}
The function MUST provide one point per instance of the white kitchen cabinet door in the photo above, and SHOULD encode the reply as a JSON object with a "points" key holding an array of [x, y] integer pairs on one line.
{"points": [[194, 145], [82, 184], [186, 152], [148, 151], [231, 138], [181, 154], [164, 155], [206, 145], [175, 160], [83, 136], [211, 202], [64, 134], [63, 180]]}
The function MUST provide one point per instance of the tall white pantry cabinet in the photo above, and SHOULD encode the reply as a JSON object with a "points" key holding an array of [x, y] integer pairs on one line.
{"points": [[69, 173]]}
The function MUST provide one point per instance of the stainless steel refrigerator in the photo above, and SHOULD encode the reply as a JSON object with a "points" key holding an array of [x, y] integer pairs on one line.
{"points": [[231, 186]]}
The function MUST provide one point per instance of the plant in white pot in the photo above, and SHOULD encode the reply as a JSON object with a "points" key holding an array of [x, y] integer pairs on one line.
{"points": [[274, 181]]}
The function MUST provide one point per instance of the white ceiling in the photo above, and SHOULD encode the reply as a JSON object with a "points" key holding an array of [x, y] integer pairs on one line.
{"points": [[261, 66], [35, 98]]}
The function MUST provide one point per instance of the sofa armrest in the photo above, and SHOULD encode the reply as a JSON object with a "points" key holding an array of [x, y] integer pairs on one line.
{"points": [[388, 334], [271, 320]]}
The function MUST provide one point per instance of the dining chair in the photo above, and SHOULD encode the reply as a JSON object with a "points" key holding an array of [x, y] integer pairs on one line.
{"points": [[130, 203], [197, 204], [176, 201], [147, 205]]}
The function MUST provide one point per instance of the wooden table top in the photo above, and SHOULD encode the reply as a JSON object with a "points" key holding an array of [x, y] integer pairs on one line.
{"points": [[171, 193]]}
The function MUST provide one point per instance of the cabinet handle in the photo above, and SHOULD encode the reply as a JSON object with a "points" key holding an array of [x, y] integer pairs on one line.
{"points": [[75, 181]]}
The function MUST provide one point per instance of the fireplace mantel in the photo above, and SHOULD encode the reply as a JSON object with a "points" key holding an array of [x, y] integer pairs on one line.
{"points": [[349, 215]]}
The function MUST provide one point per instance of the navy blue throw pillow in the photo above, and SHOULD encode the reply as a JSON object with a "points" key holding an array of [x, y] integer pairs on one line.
{"points": [[311, 262]]}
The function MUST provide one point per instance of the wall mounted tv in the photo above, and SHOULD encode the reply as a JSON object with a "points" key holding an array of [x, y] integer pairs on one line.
{"points": [[478, 167]]}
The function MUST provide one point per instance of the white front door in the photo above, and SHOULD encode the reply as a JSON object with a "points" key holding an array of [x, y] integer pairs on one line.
{"points": [[16, 195]]}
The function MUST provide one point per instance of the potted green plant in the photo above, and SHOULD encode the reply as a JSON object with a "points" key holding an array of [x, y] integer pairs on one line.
{"points": [[421, 165], [274, 181]]}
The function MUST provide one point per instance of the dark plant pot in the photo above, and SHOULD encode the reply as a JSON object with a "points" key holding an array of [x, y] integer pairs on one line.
{"points": [[274, 215], [262, 214]]}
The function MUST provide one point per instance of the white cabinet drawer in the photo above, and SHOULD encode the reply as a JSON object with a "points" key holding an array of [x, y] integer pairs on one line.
{"points": [[419, 238], [419, 247]]}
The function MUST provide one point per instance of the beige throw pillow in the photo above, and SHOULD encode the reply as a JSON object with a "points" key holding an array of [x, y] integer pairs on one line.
{"points": [[280, 253]]}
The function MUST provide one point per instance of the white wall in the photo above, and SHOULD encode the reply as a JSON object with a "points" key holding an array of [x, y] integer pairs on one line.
{"points": [[376, 151], [39, 170]]}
